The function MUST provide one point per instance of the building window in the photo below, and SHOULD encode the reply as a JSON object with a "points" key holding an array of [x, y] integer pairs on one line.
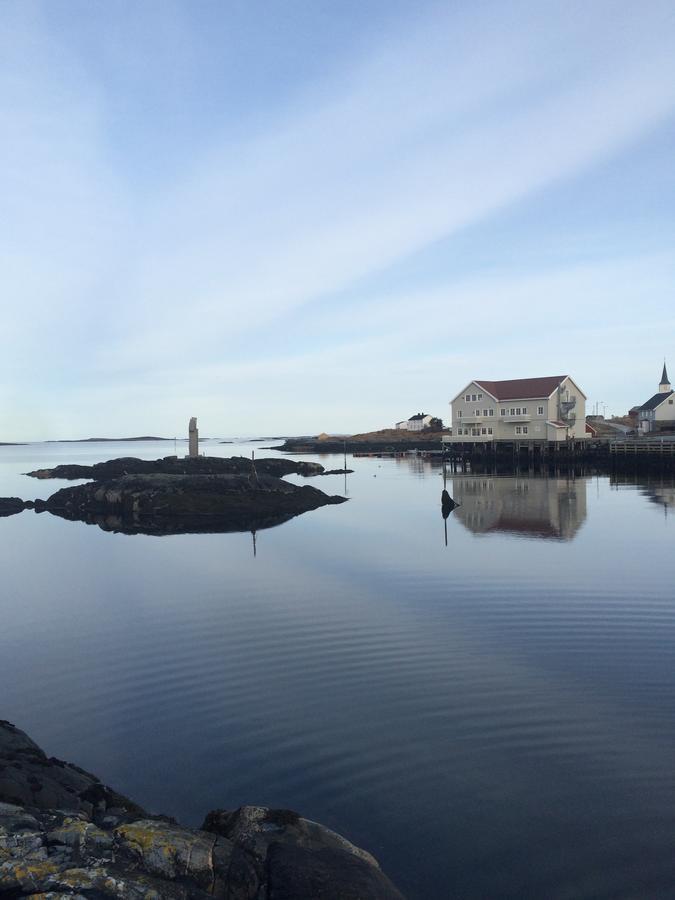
{"points": [[540, 410], [459, 413], [524, 410], [492, 412], [480, 396], [517, 410], [670, 403], [467, 397], [518, 429], [502, 412], [483, 431], [486, 413], [513, 410], [473, 398], [524, 429], [475, 432], [489, 431], [478, 413]]}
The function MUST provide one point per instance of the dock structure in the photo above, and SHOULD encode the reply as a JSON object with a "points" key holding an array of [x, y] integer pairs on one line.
{"points": [[534, 448], [463, 455], [660, 447]]}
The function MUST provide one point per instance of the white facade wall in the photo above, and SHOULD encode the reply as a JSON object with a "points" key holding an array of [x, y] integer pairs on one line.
{"points": [[661, 417], [665, 413]]}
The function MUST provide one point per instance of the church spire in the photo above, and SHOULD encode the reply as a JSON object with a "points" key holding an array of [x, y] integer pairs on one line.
{"points": [[665, 384]]}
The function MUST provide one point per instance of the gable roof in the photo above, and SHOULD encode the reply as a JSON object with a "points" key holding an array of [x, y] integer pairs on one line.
{"points": [[522, 388], [656, 400], [419, 416]]}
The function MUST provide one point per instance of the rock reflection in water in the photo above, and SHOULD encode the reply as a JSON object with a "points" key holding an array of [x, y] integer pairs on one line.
{"points": [[655, 487], [538, 508], [167, 525]]}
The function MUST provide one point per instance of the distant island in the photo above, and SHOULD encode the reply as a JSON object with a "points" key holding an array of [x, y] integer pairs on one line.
{"points": [[101, 440]]}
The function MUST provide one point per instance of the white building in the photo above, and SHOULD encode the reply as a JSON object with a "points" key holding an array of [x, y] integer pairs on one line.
{"points": [[659, 411], [552, 408], [417, 422]]}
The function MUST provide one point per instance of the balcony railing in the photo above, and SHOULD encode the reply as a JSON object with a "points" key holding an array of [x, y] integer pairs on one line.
{"points": [[473, 419]]}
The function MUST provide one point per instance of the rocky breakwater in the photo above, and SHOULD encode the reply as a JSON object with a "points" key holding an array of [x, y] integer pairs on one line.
{"points": [[63, 833]]}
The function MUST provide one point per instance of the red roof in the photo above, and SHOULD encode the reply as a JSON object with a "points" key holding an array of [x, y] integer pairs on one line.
{"points": [[522, 388]]}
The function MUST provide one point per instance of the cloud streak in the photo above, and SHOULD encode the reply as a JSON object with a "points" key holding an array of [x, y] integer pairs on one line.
{"points": [[440, 125]]}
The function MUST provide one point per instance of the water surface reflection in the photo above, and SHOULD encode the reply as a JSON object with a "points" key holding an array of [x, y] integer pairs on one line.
{"points": [[529, 507], [492, 718]]}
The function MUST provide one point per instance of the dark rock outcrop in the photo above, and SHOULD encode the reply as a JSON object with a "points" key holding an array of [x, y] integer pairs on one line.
{"points": [[175, 504], [65, 834], [174, 465], [178, 496], [9, 506]]}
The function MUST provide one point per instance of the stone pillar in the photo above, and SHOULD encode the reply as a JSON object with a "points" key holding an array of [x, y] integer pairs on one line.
{"points": [[193, 436]]}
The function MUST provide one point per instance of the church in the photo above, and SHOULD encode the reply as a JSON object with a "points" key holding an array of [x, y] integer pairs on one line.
{"points": [[659, 411]]}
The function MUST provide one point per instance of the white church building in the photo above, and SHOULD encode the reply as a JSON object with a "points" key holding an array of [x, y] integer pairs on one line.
{"points": [[659, 411]]}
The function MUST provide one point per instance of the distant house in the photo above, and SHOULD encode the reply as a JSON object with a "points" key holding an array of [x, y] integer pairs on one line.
{"points": [[552, 408], [591, 431], [418, 422], [659, 411]]}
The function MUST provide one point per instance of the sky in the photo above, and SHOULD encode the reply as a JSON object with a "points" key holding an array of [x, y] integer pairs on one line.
{"points": [[304, 216]]}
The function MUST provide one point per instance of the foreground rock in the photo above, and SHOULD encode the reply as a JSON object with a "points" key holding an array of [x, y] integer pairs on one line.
{"points": [[173, 465], [65, 834], [176, 504]]}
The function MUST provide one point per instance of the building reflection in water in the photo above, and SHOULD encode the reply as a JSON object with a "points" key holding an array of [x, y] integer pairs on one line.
{"points": [[655, 487], [538, 508]]}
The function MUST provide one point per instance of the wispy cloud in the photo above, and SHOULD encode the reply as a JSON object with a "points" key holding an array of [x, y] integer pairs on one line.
{"points": [[438, 124]]}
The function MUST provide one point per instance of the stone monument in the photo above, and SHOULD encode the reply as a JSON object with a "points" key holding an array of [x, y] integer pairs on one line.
{"points": [[193, 436]]}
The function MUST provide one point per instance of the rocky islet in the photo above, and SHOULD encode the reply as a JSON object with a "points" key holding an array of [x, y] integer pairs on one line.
{"points": [[174, 496]]}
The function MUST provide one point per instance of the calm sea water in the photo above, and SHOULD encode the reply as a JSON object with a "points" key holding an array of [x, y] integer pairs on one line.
{"points": [[487, 704]]}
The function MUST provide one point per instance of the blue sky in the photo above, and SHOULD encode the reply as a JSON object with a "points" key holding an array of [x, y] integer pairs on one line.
{"points": [[292, 217]]}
